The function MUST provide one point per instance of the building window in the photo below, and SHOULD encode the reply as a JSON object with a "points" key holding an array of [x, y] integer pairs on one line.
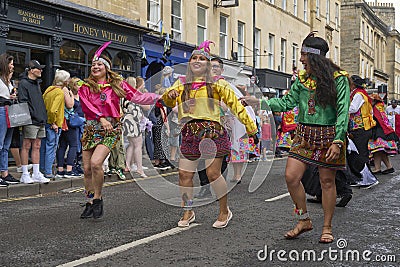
{"points": [[371, 39], [295, 7], [223, 36], [201, 24], [362, 30], [317, 8], [284, 6], [367, 36], [366, 70], [397, 54], [305, 10], [29, 37], [176, 19], [271, 49], [257, 35], [153, 14], [123, 64], [337, 16], [295, 52], [328, 11], [241, 41], [283, 55], [72, 58]]}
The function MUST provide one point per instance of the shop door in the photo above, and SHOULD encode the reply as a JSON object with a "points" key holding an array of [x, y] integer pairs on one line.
{"points": [[21, 58]]}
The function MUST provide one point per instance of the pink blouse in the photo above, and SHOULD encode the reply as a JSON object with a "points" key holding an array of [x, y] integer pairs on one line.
{"points": [[106, 103]]}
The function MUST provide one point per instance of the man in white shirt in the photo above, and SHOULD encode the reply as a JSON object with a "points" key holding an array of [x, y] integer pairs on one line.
{"points": [[391, 111]]}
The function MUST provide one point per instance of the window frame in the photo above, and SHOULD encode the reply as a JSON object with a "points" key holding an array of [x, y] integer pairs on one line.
{"points": [[157, 9], [223, 37], [176, 32], [202, 27]]}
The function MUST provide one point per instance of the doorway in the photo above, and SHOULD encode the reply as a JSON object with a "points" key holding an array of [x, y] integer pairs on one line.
{"points": [[23, 55]]}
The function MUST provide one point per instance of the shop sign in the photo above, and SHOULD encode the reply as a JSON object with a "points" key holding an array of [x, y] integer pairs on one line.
{"points": [[30, 17], [99, 33]]}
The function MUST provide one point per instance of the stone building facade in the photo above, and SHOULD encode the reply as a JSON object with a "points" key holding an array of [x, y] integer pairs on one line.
{"points": [[280, 25]]}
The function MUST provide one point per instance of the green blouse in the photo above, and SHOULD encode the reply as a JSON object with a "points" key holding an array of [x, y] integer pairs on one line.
{"points": [[299, 95]]}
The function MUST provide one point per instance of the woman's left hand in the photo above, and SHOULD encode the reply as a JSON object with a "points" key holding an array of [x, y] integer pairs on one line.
{"points": [[333, 152]]}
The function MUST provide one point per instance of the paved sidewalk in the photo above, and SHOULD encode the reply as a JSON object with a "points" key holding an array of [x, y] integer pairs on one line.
{"points": [[26, 190]]}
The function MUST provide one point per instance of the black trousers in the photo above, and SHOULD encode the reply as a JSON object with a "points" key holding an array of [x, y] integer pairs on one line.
{"points": [[202, 171], [360, 138]]}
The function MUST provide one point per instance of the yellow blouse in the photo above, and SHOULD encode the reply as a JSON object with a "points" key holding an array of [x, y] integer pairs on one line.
{"points": [[199, 107]]}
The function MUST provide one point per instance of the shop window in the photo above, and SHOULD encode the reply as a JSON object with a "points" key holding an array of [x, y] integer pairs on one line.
{"points": [[72, 59], [91, 54], [123, 64], [72, 51], [29, 37]]}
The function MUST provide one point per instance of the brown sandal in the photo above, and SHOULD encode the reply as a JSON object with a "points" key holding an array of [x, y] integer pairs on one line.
{"points": [[304, 225], [326, 236]]}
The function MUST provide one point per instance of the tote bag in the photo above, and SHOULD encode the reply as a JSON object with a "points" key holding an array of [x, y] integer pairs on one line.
{"points": [[18, 115]]}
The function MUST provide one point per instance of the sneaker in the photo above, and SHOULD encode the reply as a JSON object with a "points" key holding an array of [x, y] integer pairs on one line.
{"points": [[120, 174], [97, 207], [49, 176], [77, 169], [370, 185], [3, 183], [60, 175], [39, 178], [10, 179], [133, 167], [19, 169], [26, 178], [88, 212], [71, 174], [344, 200]]}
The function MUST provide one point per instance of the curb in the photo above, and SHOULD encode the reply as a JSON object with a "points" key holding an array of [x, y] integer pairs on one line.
{"points": [[16, 191]]}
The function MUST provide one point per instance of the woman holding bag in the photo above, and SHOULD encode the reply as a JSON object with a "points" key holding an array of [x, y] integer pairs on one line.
{"points": [[6, 98]]}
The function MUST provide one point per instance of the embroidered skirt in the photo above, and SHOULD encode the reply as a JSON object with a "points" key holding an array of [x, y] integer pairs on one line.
{"points": [[311, 144], [204, 139], [93, 134]]}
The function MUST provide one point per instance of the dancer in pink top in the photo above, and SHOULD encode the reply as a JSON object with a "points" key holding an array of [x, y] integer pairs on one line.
{"points": [[100, 97]]}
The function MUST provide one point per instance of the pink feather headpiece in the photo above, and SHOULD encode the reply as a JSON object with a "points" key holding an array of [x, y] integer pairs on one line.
{"points": [[97, 55], [203, 49]]}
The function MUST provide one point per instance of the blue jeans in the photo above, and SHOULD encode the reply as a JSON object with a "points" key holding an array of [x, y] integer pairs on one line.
{"points": [[5, 140], [48, 149]]}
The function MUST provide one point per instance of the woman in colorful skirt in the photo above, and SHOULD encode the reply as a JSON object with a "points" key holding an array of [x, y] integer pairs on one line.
{"points": [[383, 142], [100, 97], [322, 94], [203, 137]]}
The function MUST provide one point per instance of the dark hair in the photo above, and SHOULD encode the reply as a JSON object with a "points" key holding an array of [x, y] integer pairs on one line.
{"points": [[5, 59], [358, 81], [323, 69], [218, 60]]}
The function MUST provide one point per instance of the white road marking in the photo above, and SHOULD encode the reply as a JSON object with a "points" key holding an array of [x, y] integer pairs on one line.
{"points": [[277, 197], [125, 247]]}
